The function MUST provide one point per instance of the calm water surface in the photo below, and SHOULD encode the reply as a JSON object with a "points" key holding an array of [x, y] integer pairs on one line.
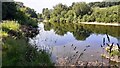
{"points": [[65, 41]]}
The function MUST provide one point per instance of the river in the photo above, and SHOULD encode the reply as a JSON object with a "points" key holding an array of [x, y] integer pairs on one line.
{"points": [[68, 41]]}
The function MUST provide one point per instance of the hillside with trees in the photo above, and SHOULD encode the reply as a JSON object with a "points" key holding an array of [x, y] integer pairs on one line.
{"points": [[107, 12]]}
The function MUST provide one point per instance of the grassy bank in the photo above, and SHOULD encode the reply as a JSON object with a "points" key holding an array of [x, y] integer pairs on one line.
{"points": [[19, 53], [18, 25], [16, 51]]}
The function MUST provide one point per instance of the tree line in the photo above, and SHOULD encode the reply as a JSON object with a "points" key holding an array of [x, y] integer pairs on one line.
{"points": [[83, 12]]}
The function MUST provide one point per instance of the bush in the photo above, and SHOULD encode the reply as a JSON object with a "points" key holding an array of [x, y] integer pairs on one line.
{"points": [[85, 18], [24, 19], [10, 25], [3, 34], [98, 19]]}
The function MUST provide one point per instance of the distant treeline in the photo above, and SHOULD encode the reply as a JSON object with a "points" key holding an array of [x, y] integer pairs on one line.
{"points": [[83, 12], [103, 4]]}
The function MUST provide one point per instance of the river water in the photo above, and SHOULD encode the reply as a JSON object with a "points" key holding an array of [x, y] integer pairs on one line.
{"points": [[70, 40]]}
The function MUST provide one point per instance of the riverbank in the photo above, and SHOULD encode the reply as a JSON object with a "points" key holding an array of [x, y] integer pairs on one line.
{"points": [[96, 23], [17, 27], [17, 50]]}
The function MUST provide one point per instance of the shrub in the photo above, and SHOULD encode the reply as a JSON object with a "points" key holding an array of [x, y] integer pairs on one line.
{"points": [[10, 25], [3, 34]]}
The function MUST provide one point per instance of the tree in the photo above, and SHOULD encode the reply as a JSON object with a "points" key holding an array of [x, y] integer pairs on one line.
{"points": [[8, 10], [31, 12], [81, 8], [39, 15], [46, 13], [59, 8]]}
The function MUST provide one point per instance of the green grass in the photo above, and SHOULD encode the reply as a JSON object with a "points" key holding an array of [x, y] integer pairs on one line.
{"points": [[18, 52], [13, 50], [115, 52]]}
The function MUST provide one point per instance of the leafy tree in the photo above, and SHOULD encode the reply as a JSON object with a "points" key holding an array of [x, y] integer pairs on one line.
{"points": [[31, 12], [8, 10], [81, 8], [46, 13], [59, 8]]}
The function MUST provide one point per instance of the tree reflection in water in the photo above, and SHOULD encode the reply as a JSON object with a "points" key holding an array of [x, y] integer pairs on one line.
{"points": [[81, 31]]}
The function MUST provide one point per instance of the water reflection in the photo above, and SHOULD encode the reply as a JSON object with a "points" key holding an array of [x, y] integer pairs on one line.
{"points": [[68, 39], [85, 30], [78, 31]]}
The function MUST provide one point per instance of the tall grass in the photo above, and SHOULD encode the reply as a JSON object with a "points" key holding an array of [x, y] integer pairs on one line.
{"points": [[19, 53]]}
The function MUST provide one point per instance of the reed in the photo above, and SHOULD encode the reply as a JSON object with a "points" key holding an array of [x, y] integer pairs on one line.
{"points": [[79, 56], [118, 47], [108, 38]]}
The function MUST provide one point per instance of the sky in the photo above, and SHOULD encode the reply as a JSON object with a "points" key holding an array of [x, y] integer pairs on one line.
{"points": [[38, 5]]}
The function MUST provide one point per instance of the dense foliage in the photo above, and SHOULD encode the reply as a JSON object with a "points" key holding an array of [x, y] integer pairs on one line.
{"points": [[81, 12], [11, 25], [103, 4], [14, 11], [9, 10]]}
